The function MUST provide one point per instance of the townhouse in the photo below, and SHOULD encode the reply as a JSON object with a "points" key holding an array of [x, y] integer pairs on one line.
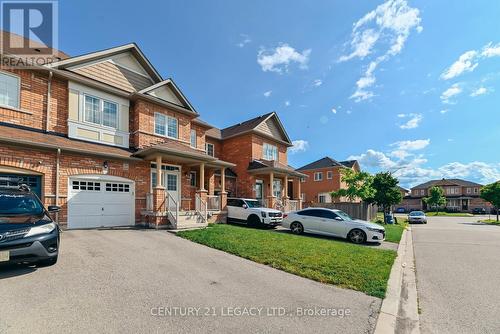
{"points": [[107, 138], [461, 195], [323, 177]]}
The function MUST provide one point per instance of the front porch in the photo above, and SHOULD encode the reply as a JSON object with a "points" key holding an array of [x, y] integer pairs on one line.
{"points": [[183, 192], [277, 186]]}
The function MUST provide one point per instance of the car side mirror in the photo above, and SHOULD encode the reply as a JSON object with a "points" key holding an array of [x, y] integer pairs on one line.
{"points": [[245, 206], [339, 219], [54, 208]]}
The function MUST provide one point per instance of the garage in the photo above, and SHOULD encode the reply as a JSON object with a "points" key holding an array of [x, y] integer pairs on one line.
{"points": [[100, 201]]}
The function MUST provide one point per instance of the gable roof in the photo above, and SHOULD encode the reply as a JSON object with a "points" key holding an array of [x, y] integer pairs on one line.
{"points": [[349, 163], [170, 84], [267, 125], [322, 163], [94, 56], [448, 182]]}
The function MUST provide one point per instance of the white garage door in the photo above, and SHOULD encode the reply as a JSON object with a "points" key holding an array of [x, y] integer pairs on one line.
{"points": [[100, 201]]}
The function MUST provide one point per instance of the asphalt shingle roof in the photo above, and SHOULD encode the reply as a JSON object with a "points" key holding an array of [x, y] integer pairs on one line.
{"points": [[446, 182], [323, 163]]}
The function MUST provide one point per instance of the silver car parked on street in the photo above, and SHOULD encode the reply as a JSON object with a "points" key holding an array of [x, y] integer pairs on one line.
{"points": [[417, 217]]}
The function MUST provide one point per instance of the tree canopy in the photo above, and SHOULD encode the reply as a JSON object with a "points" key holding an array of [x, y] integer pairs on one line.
{"points": [[386, 191], [491, 193], [358, 185], [436, 197]]}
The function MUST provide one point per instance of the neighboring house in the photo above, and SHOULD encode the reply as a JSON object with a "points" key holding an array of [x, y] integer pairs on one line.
{"points": [[461, 195], [112, 142], [324, 177]]}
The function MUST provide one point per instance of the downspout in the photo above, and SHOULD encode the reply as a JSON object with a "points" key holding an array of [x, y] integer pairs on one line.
{"points": [[49, 86], [58, 156]]}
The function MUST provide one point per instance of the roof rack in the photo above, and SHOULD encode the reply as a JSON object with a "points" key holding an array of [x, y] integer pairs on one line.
{"points": [[13, 183]]}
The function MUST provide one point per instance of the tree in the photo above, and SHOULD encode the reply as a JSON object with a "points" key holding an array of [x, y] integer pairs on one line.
{"points": [[491, 193], [386, 191], [358, 185], [436, 198]]}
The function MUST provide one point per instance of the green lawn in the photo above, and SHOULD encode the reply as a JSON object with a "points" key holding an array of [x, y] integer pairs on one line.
{"points": [[393, 232], [449, 214], [330, 261], [490, 221]]}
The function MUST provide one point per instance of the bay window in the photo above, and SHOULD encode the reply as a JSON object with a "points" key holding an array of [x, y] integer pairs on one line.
{"points": [[100, 112], [269, 152]]}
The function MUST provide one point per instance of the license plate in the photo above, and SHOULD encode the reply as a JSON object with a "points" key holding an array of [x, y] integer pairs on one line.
{"points": [[4, 256]]}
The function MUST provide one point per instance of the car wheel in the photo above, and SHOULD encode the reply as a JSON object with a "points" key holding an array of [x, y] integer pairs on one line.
{"points": [[47, 262], [253, 221], [357, 236], [297, 228]]}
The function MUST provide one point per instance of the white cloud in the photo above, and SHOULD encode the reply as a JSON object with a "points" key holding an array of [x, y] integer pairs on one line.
{"points": [[413, 121], [268, 93], [287, 103], [317, 82], [444, 111], [299, 146], [454, 90], [490, 50], [388, 27], [410, 169], [334, 110], [278, 59], [467, 62], [245, 39], [411, 145], [479, 91]]}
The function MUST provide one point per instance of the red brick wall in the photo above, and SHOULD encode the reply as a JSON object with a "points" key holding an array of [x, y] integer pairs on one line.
{"points": [[143, 120], [257, 148], [312, 188], [238, 150], [33, 102], [44, 162]]}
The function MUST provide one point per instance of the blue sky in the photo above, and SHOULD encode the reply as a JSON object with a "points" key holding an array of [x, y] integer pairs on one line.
{"points": [[407, 86]]}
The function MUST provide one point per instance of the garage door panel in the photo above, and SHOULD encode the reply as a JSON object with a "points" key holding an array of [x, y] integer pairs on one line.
{"points": [[97, 202]]}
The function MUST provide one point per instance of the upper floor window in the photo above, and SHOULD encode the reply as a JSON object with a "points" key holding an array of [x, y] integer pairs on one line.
{"points": [[269, 152], [468, 190], [422, 192], [210, 149], [9, 90], [329, 175], [101, 112], [166, 126], [318, 176], [476, 190], [193, 138]]}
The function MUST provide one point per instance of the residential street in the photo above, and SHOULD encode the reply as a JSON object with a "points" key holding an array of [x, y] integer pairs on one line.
{"points": [[458, 266], [113, 280]]}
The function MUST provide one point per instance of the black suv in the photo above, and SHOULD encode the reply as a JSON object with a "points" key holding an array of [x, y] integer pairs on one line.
{"points": [[479, 211], [27, 233]]}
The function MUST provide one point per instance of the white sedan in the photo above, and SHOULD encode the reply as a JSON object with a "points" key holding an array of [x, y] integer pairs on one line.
{"points": [[334, 223]]}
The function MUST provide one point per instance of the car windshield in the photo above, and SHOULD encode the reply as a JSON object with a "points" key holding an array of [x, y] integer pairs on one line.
{"points": [[253, 204], [343, 215], [417, 213], [19, 204]]}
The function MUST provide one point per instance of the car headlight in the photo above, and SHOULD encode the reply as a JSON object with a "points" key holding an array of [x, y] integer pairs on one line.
{"points": [[263, 214], [42, 229], [373, 229]]}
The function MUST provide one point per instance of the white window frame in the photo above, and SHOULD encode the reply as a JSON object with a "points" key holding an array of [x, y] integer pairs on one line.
{"points": [[193, 139], [476, 190], [329, 175], [270, 152], [318, 176], [422, 192], [166, 125], [18, 79], [321, 196], [469, 190], [101, 112], [213, 149]]}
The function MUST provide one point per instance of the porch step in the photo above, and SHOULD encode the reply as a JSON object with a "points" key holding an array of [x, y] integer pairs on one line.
{"points": [[189, 220]]}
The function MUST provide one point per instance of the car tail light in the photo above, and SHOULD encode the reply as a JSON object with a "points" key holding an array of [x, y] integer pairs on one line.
{"points": [[285, 215]]}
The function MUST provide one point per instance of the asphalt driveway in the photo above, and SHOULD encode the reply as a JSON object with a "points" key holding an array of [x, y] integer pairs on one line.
{"points": [[110, 281], [458, 266]]}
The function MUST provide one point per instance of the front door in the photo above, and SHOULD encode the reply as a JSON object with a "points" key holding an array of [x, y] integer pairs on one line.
{"points": [[259, 191], [171, 180], [465, 205]]}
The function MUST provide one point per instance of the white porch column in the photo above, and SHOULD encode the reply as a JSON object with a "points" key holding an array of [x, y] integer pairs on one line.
{"points": [[158, 171], [202, 176], [285, 187]]}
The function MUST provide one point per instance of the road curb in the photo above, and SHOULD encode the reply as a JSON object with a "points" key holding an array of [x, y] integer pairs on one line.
{"points": [[399, 311]]}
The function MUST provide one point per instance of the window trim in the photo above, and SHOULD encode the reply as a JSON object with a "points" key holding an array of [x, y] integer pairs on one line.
{"points": [[213, 149], [316, 178], [18, 78], [101, 112], [167, 117], [329, 174], [191, 178], [264, 151]]}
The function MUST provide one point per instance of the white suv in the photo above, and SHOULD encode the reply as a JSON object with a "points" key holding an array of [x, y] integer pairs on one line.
{"points": [[251, 212]]}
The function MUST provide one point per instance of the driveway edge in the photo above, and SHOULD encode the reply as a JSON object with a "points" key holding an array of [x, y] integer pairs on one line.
{"points": [[399, 311]]}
